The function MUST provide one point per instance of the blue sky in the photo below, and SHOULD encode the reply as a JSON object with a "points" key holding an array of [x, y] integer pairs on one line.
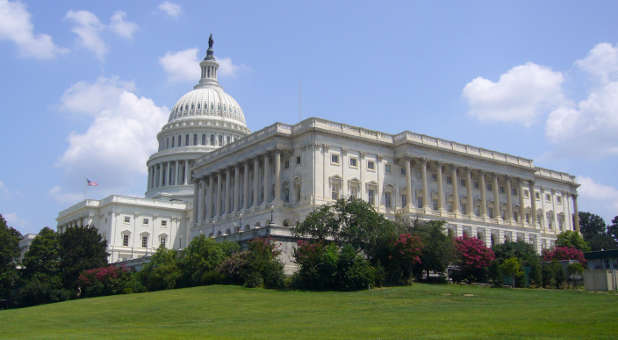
{"points": [[87, 85]]}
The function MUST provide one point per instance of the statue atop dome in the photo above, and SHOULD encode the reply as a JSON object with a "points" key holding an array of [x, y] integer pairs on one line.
{"points": [[210, 42], [210, 53]]}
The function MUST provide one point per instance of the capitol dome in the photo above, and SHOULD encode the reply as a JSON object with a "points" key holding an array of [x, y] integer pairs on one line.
{"points": [[203, 120]]}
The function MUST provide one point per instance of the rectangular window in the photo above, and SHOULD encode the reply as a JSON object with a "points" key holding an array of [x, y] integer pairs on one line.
{"points": [[387, 168], [476, 184], [559, 200], [353, 162], [419, 202], [371, 165], [435, 204], [194, 139], [228, 140], [334, 158], [403, 171], [548, 197], [462, 182], [387, 200], [145, 221], [125, 240], [404, 200], [127, 219], [537, 195], [163, 239], [335, 190], [489, 187], [449, 180], [372, 196], [186, 140], [286, 165], [526, 193], [501, 189], [434, 177], [163, 223], [513, 191], [220, 140], [297, 160], [144, 241]]}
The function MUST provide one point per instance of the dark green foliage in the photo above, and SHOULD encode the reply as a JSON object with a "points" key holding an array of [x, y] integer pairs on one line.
{"points": [[81, 248], [574, 271], [572, 239], [162, 272], [438, 247], [108, 280], [548, 275], [560, 274], [256, 267], [39, 289], [199, 261], [596, 233], [327, 267], [526, 256], [9, 255], [511, 268]]}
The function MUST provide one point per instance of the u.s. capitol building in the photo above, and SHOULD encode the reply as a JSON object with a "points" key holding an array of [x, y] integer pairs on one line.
{"points": [[212, 176]]}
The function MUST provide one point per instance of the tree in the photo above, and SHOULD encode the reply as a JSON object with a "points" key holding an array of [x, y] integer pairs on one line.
{"points": [[9, 255], [438, 247], [473, 258], [81, 248], [199, 261], [162, 272], [512, 268], [596, 233], [572, 239], [564, 253], [43, 256], [524, 253], [612, 230]]}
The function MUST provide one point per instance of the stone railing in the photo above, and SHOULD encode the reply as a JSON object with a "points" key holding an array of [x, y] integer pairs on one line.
{"points": [[554, 175], [442, 144], [79, 205]]}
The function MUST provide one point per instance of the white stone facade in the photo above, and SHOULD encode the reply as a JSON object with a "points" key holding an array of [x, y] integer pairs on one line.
{"points": [[317, 161]]}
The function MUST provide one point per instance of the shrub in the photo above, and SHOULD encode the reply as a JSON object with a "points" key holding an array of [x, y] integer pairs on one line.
{"points": [[574, 270], [162, 272], [104, 281], [564, 253], [353, 270], [258, 266], [512, 269], [199, 261], [473, 259]]}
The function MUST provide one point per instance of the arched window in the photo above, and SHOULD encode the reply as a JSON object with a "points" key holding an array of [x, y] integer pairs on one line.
{"points": [[173, 140], [162, 240], [179, 140], [195, 139], [204, 139], [186, 140], [212, 139], [220, 140], [144, 240]]}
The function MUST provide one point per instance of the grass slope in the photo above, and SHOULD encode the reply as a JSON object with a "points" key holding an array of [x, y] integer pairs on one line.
{"points": [[231, 312]]}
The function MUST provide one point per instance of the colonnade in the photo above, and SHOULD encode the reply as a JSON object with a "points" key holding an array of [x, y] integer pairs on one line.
{"points": [[522, 217], [168, 173], [245, 185]]}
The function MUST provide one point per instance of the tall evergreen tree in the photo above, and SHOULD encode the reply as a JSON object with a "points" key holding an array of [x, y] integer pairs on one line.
{"points": [[9, 256], [81, 248]]}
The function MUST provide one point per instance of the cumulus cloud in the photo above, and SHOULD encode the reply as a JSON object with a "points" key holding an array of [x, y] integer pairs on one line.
{"points": [[15, 25], [520, 95], [62, 196], [183, 66], [88, 29], [601, 62], [15, 221], [119, 25], [598, 197], [589, 126], [3, 189], [119, 140], [170, 8]]}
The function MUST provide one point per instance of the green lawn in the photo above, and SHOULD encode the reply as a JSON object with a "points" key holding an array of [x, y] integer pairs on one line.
{"points": [[231, 312]]}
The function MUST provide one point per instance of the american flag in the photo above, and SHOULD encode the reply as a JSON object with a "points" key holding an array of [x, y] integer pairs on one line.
{"points": [[91, 183]]}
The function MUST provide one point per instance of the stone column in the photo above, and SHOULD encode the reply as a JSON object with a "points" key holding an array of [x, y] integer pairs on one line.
{"points": [[576, 213], [568, 220], [245, 186], [196, 188], [277, 161], [440, 190], [160, 171], [176, 173], [509, 201], [455, 191], [497, 212], [218, 199], [408, 184], [522, 210], [470, 197], [544, 216], [236, 188], [256, 171], [200, 200], [228, 198], [532, 204], [149, 178], [554, 214], [186, 171], [425, 186], [266, 178], [483, 190]]}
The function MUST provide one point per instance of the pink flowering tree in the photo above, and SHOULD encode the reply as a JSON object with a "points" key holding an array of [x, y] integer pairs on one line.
{"points": [[107, 280], [473, 259], [564, 253]]}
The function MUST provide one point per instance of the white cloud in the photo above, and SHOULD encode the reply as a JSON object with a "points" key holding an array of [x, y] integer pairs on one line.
{"points": [[598, 197], [63, 197], [3, 189], [15, 25], [88, 29], [520, 95], [15, 221], [601, 62], [120, 26], [170, 8], [183, 66], [120, 138]]}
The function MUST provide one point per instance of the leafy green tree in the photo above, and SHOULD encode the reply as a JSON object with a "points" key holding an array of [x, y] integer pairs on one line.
{"points": [[524, 253], [613, 229], [43, 256], [162, 272], [512, 268], [591, 225], [81, 248], [9, 255], [199, 261], [572, 239], [438, 247]]}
